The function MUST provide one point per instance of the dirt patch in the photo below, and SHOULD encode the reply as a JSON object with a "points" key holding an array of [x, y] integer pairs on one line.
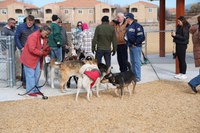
{"points": [[161, 106]]}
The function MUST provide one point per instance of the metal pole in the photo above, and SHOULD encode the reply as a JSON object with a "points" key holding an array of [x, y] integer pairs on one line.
{"points": [[10, 76], [162, 27], [146, 45], [13, 61]]}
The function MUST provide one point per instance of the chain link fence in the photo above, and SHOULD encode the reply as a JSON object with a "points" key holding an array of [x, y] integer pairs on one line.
{"points": [[7, 62]]}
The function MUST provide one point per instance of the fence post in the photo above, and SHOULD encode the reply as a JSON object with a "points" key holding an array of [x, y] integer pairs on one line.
{"points": [[11, 78], [13, 61], [146, 44]]}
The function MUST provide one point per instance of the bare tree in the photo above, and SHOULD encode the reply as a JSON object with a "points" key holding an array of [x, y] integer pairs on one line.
{"points": [[195, 8], [120, 9]]}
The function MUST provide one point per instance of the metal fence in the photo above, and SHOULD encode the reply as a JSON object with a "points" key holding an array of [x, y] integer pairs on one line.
{"points": [[7, 62]]}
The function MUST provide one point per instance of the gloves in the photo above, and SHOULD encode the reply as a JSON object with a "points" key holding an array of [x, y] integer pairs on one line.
{"points": [[45, 53], [58, 44], [93, 51], [113, 53]]}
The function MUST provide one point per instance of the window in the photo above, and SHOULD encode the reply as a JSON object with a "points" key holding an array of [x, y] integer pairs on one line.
{"points": [[18, 11], [3, 11], [48, 11], [91, 11], [80, 11], [66, 11], [150, 10], [134, 10], [106, 10]]}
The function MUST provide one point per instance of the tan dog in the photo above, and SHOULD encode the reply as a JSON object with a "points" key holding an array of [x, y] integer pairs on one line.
{"points": [[66, 70]]}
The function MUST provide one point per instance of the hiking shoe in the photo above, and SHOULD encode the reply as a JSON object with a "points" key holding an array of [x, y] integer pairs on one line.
{"points": [[193, 88]]}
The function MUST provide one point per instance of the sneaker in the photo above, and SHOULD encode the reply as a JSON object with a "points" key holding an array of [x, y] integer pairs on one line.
{"points": [[57, 63], [182, 77], [33, 94], [177, 76], [193, 88]]}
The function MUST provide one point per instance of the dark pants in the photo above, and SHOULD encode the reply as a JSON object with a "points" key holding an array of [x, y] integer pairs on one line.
{"points": [[63, 53], [122, 57], [23, 76], [104, 53], [181, 54]]}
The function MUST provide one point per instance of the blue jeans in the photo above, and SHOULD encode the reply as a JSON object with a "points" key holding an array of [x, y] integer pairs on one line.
{"points": [[104, 53], [56, 53], [32, 77], [135, 56], [195, 81]]}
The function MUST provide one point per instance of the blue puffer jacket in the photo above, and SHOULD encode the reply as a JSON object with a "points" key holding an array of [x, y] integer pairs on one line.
{"points": [[135, 35]]}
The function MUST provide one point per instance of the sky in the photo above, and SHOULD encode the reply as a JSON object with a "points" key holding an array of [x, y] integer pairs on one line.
{"points": [[169, 3]]}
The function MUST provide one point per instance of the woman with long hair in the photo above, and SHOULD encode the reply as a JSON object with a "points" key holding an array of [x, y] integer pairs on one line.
{"points": [[195, 31], [181, 39]]}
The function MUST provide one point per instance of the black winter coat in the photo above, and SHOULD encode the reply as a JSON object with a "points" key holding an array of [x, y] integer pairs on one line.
{"points": [[182, 36]]}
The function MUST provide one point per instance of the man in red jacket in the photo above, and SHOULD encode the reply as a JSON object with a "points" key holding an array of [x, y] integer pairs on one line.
{"points": [[35, 50]]}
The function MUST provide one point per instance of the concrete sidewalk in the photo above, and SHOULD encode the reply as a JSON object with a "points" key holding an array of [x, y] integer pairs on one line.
{"points": [[159, 68]]}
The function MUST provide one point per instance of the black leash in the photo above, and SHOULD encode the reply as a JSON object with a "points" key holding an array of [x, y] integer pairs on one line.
{"points": [[38, 87]]}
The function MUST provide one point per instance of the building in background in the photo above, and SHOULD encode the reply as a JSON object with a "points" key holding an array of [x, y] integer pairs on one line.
{"points": [[72, 11], [16, 9], [144, 11]]}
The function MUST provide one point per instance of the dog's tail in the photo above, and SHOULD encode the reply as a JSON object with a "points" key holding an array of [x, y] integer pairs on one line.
{"points": [[129, 65]]}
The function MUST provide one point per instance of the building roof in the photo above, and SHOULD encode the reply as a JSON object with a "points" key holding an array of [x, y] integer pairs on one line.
{"points": [[5, 3], [146, 4], [172, 10], [78, 3]]}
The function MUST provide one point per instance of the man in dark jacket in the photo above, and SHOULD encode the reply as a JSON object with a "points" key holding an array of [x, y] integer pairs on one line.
{"points": [[103, 38], [21, 35], [9, 29], [135, 37], [55, 40]]}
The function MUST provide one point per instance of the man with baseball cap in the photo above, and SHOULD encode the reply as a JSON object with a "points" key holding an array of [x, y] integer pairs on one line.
{"points": [[135, 37]]}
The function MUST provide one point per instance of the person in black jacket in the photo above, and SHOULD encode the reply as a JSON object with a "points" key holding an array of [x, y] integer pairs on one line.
{"points": [[181, 38]]}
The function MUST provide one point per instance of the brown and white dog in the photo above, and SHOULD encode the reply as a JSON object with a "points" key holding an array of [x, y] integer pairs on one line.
{"points": [[90, 77], [66, 70]]}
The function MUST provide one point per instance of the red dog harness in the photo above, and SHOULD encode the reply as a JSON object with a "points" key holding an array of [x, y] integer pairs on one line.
{"points": [[93, 75]]}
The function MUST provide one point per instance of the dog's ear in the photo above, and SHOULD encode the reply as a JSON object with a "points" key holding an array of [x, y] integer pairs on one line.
{"points": [[108, 76]]}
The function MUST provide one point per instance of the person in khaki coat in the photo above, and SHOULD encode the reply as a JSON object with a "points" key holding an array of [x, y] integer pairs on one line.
{"points": [[195, 31], [120, 26]]}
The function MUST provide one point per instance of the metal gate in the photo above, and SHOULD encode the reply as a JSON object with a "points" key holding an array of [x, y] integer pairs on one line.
{"points": [[7, 62]]}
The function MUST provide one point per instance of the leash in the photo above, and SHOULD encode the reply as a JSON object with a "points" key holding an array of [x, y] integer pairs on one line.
{"points": [[38, 88]]}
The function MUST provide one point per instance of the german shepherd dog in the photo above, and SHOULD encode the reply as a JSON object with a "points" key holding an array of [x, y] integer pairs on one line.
{"points": [[122, 80]]}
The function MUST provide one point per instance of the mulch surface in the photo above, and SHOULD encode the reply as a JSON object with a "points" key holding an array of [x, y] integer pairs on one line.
{"points": [[156, 107]]}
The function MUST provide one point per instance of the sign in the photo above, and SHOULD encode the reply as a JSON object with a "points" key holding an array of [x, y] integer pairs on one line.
{"points": [[20, 19]]}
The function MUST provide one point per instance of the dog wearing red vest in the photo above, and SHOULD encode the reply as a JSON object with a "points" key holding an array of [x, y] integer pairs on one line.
{"points": [[90, 77]]}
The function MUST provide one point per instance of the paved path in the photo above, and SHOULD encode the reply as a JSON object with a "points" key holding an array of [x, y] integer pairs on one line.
{"points": [[159, 68]]}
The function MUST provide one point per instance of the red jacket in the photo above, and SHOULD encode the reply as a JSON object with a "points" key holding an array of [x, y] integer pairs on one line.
{"points": [[32, 51]]}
